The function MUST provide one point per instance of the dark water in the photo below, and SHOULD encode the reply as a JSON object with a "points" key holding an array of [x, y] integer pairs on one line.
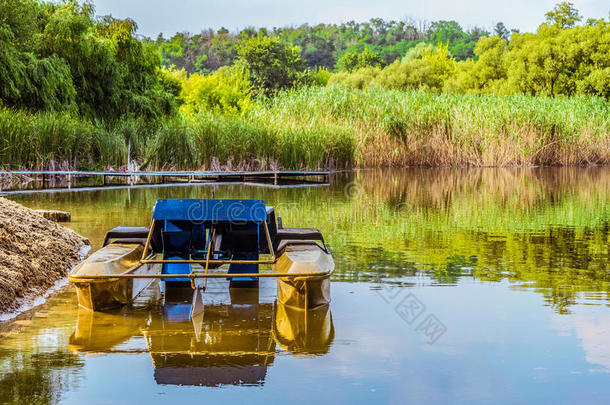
{"points": [[452, 286]]}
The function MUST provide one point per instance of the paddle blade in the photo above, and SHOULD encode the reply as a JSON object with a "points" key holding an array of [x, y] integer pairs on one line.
{"points": [[197, 311]]}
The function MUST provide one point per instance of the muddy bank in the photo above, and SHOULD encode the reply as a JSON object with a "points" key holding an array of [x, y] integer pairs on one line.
{"points": [[34, 254]]}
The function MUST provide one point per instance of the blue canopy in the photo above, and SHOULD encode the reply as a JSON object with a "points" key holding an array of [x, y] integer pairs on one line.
{"points": [[215, 210]]}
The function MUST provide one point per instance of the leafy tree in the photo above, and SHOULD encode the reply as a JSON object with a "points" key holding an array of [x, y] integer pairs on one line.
{"points": [[172, 50], [319, 52], [353, 60], [476, 33], [501, 31], [29, 81], [112, 73], [485, 75], [20, 16], [50, 85], [140, 91], [424, 67], [94, 70], [172, 82], [564, 15], [271, 65], [222, 51], [349, 61], [321, 45], [557, 61], [460, 43], [227, 90], [367, 58], [358, 79]]}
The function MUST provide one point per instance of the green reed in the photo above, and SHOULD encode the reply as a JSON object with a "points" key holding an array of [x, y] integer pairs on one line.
{"points": [[331, 127]]}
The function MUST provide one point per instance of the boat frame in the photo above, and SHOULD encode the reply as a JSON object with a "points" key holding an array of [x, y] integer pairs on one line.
{"points": [[192, 276]]}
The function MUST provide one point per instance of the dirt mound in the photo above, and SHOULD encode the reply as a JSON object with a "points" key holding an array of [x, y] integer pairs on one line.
{"points": [[34, 253]]}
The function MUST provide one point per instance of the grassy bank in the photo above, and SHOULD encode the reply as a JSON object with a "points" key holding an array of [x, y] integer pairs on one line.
{"points": [[329, 127]]}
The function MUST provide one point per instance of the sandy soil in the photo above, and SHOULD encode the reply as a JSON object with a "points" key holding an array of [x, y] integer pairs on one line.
{"points": [[34, 254]]}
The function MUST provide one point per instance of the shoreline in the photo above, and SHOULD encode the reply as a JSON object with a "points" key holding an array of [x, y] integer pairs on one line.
{"points": [[31, 302], [329, 175], [36, 255]]}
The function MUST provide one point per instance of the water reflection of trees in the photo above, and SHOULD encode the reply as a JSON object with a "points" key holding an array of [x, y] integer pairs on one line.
{"points": [[36, 378], [545, 228], [32, 369]]}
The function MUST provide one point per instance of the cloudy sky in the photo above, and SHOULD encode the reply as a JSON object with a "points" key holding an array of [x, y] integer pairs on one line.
{"points": [[170, 16]]}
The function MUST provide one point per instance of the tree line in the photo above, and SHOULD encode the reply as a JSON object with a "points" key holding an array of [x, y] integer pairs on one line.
{"points": [[58, 56], [565, 56], [323, 45], [562, 57]]}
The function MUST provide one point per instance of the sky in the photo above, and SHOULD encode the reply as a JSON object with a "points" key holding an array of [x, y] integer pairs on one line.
{"points": [[171, 16]]}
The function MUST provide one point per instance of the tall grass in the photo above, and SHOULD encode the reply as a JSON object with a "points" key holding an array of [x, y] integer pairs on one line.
{"points": [[418, 128], [331, 127], [46, 139], [243, 140]]}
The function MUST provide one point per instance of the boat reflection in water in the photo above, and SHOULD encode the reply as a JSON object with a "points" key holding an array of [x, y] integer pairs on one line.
{"points": [[233, 344], [233, 347], [304, 332]]}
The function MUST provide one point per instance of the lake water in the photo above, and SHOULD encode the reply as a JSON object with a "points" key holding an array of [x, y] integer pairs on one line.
{"points": [[468, 286]]}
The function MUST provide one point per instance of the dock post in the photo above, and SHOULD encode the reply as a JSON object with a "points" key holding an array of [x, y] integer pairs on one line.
{"points": [[44, 180], [69, 180], [103, 179], [275, 178]]}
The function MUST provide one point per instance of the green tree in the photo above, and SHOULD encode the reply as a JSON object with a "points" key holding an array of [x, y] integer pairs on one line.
{"points": [[94, 70], [353, 60], [27, 80], [485, 75], [460, 43], [140, 91], [564, 15], [367, 58], [349, 61], [113, 73], [172, 50], [271, 65], [20, 16], [424, 67], [227, 91], [222, 51], [501, 31], [557, 61]]}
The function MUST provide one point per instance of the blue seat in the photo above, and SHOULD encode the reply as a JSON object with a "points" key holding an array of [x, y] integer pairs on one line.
{"points": [[185, 226], [176, 246]]}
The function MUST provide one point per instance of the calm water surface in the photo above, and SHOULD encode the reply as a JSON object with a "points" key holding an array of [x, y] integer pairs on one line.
{"points": [[452, 286]]}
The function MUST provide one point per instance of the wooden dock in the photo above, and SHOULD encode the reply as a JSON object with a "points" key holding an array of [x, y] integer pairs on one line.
{"points": [[49, 179]]}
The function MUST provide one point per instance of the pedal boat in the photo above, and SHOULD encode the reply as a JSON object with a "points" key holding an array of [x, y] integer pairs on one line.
{"points": [[189, 240], [118, 257]]}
